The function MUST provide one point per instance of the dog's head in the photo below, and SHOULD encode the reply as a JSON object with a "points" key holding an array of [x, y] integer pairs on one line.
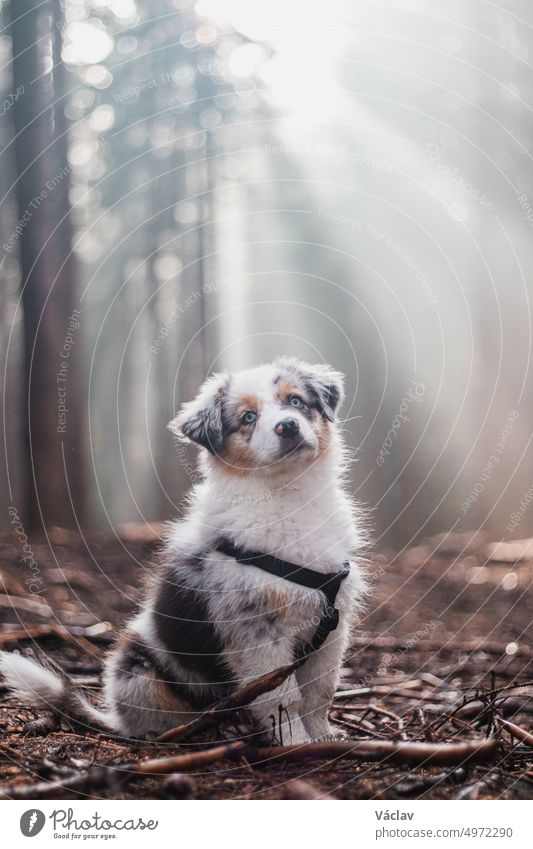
{"points": [[264, 417]]}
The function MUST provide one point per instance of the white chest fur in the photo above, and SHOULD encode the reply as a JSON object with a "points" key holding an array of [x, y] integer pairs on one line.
{"points": [[308, 521]]}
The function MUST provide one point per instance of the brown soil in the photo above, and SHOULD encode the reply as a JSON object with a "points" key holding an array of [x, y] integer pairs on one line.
{"points": [[446, 623]]}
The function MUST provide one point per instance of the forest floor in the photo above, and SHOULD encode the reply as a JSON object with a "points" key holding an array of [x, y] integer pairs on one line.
{"points": [[447, 627]]}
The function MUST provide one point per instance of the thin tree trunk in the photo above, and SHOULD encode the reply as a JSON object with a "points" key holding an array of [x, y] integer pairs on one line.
{"points": [[52, 313]]}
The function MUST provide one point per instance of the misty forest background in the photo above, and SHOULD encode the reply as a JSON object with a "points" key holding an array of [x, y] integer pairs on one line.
{"points": [[186, 189]]}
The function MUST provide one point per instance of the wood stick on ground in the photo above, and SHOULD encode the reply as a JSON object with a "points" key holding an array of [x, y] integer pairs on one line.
{"points": [[54, 629], [476, 708], [413, 754], [356, 724], [494, 691], [506, 706], [84, 783], [28, 605], [189, 760], [228, 706], [516, 731], [29, 633], [104, 776], [435, 646], [428, 754]]}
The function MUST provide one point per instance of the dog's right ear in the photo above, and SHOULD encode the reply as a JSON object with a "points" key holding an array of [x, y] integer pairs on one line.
{"points": [[201, 420]]}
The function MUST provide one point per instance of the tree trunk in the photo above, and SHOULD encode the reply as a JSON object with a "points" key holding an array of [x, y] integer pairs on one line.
{"points": [[52, 313]]}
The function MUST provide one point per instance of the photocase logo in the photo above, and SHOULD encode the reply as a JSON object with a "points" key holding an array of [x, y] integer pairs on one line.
{"points": [[32, 822]]}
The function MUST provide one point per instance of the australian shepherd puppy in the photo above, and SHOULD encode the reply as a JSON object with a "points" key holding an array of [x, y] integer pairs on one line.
{"points": [[272, 464]]}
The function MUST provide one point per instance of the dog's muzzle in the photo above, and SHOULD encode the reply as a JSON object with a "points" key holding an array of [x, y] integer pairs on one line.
{"points": [[288, 428]]}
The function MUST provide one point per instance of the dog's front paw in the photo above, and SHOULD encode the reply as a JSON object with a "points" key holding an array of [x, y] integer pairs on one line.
{"points": [[300, 741]]}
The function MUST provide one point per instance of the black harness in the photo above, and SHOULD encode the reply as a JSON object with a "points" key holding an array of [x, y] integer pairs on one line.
{"points": [[329, 584]]}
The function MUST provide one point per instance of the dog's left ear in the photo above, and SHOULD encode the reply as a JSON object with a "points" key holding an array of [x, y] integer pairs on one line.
{"points": [[201, 420], [327, 386]]}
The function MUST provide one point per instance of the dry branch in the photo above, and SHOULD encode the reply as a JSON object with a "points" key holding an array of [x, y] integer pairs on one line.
{"points": [[189, 760], [506, 706], [27, 605], [393, 644], [54, 629], [82, 783], [510, 552], [227, 707], [111, 775], [409, 754], [106, 776], [516, 731]]}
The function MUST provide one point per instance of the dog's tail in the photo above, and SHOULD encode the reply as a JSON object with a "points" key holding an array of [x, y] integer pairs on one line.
{"points": [[49, 687]]}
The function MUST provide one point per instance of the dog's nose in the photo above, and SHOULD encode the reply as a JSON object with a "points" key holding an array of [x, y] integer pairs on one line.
{"points": [[288, 427]]}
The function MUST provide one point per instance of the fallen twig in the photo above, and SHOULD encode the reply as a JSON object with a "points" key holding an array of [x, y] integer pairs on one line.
{"points": [[54, 629], [228, 706], [515, 685], [372, 642], [477, 708], [347, 720], [28, 605], [414, 754], [507, 706], [115, 775], [390, 715], [190, 760], [516, 731]]}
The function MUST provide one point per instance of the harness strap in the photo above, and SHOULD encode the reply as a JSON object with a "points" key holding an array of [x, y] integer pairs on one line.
{"points": [[329, 584]]}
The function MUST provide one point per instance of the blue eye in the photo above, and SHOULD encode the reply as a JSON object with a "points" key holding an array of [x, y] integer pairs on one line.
{"points": [[249, 417], [294, 401]]}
